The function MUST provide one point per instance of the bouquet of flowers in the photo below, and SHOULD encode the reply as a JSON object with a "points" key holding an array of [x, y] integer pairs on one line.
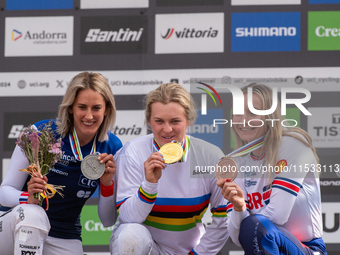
{"points": [[42, 150]]}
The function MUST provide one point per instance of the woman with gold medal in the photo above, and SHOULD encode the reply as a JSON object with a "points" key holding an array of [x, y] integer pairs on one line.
{"points": [[160, 202]]}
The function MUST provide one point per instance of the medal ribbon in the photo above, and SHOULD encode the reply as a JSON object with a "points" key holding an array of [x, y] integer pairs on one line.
{"points": [[185, 146], [75, 146], [247, 148]]}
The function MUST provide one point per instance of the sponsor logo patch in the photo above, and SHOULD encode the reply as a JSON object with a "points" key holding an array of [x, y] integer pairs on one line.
{"points": [[272, 31]]}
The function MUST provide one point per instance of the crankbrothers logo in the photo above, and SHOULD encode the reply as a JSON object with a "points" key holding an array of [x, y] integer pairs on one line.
{"points": [[190, 33], [204, 97], [16, 35]]}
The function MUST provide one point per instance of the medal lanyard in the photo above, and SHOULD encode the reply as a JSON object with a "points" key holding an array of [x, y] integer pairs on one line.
{"points": [[258, 143], [75, 146], [185, 146]]}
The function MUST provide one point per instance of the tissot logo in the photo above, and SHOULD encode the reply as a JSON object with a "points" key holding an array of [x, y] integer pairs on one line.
{"points": [[324, 128], [113, 35], [273, 31], [189, 33]]}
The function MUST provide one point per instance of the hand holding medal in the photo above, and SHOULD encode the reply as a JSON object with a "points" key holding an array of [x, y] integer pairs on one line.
{"points": [[227, 168], [169, 153]]}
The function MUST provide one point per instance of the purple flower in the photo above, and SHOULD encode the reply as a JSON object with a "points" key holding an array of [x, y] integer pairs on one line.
{"points": [[35, 147]]}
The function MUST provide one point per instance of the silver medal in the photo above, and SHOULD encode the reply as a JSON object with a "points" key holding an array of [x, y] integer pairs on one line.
{"points": [[91, 167]]}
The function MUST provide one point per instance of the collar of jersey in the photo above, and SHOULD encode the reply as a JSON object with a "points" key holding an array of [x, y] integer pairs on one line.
{"points": [[257, 158]]}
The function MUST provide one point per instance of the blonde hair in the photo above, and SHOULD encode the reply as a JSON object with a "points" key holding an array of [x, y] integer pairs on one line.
{"points": [[171, 92], [81, 81], [273, 133]]}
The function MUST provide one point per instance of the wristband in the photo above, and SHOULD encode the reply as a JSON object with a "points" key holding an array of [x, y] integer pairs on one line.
{"points": [[106, 191]]}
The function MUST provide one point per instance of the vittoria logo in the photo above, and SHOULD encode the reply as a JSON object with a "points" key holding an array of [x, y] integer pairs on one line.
{"points": [[190, 33]]}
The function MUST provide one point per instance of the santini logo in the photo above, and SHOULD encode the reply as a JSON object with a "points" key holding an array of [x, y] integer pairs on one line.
{"points": [[265, 31], [204, 97], [16, 35], [123, 35], [190, 33]]}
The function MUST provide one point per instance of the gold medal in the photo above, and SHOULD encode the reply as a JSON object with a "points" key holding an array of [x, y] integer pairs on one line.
{"points": [[172, 152], [226, 169]]}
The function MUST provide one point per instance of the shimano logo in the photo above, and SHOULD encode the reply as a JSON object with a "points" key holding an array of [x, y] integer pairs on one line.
{"points": [[265, 31], [123, 35]]}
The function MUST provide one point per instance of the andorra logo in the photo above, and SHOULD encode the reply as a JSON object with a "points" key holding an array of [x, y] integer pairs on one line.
{"points": [[16, 35]]}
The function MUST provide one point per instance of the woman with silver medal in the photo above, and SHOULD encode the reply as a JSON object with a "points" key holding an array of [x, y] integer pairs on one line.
{"points": [[272, 210], [85, 116]]}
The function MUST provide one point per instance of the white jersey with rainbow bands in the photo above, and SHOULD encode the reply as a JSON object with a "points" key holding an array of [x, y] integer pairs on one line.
{"points": [[172, 209]]}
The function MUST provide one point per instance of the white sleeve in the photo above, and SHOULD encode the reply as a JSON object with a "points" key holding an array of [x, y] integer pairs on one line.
{"points": [[14, 181], [135, 196], [287, 184], [107, 211], [216, 234], [107, 207]]}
